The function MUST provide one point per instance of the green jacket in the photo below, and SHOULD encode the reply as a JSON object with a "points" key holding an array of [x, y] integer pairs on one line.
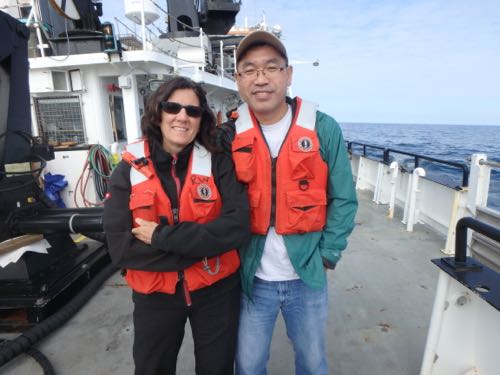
{"points": [[309, 252]]}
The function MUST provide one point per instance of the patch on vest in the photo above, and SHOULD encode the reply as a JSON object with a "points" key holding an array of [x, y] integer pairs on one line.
{"points": [[204, 191], [305, 144]]}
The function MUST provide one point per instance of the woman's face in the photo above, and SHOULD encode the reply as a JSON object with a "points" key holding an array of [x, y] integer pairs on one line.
{"points": [[180, 129]]}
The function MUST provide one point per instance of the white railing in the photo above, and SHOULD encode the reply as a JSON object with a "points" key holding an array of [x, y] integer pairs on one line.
{"points": [[423, 200]]}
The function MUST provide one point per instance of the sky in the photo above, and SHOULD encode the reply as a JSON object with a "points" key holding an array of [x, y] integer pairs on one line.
{"points": [[390, 61]]}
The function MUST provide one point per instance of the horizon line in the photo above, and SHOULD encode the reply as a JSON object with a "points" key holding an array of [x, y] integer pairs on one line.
{"points": [[413, 123]]}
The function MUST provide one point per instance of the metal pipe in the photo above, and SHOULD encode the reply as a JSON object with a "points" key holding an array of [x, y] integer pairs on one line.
{"points": [[143, 26], [71, 211], [461, 235], [203, 49], [76, 223], [221, 61], [490, 163]]}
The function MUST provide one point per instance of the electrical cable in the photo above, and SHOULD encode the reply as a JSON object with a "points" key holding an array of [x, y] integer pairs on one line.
{"points": [[99, 165]]}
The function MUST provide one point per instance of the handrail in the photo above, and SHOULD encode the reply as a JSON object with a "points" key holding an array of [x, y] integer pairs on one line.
{"points": [[461, 235], [490, 163], [417, 158]]}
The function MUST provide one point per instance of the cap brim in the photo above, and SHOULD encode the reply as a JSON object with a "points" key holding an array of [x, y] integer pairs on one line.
{"points": [[257, 37]]}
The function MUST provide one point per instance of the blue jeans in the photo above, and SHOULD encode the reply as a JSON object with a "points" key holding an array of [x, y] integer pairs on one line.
{"points": [[305, 313]]}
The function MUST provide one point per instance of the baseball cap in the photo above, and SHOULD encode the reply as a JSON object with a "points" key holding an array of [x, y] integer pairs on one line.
{"points": [[257, 37]]}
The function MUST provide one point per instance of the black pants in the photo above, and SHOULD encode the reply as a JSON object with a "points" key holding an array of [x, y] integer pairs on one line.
{"points": [[159, 321]]}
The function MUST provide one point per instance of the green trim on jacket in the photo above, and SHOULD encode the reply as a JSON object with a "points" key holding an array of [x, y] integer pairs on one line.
{"points": [[306, 251]]}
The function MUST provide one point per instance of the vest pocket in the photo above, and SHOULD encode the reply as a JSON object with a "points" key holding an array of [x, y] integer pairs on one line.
{"points": [[303, 154], [256, 222], [244, 158], [203, 201], [204, 211], [306, 210], [143, 206]]}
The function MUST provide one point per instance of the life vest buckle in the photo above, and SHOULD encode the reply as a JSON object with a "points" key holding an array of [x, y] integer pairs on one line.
{"points": [[141, 161]]}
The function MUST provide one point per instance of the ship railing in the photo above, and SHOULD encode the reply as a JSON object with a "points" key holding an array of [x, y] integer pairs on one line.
{"points": [[129, 39], [422, 196], [206, 63], [463, 331], [387, 159], [480, 246], [493, 164]]}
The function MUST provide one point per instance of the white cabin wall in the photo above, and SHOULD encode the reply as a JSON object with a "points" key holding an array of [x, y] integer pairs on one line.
{"points": [[96, 112], [132, 105]]}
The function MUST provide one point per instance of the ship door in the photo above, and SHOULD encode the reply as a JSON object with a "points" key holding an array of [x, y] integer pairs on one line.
{"points": [[117, 118]]}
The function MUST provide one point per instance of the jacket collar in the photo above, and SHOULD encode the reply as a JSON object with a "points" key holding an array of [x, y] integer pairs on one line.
{"points": [[162, 159]]}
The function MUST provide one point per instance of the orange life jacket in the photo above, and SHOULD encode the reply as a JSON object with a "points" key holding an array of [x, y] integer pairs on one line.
{"points": [[288, 192], [200, 201]]}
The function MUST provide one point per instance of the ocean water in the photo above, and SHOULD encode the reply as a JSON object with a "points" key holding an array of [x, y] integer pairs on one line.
{"points": [[455, 143]]}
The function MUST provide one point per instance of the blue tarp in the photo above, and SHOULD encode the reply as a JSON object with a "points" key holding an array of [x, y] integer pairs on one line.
{"points": [[54, 183]]}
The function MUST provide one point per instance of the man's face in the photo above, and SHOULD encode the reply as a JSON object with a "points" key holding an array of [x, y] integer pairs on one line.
{"points": [[262, 80]]}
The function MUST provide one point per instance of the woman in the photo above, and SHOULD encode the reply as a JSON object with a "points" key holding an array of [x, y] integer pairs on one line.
{"points": [[173, 217]]}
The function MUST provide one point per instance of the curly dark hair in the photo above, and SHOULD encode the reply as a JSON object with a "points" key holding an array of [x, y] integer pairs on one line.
{"points": [[151, 119]]}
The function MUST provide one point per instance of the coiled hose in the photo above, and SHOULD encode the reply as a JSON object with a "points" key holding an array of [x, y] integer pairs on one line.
{"points": [[39, 357], [26, 340]]}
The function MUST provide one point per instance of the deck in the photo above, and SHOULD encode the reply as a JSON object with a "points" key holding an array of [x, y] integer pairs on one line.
{"points": [[381, 297]]}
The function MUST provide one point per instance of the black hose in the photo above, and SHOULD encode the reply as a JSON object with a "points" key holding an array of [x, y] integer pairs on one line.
{"points": [[42, 360], [27, 339], [39, 357]]}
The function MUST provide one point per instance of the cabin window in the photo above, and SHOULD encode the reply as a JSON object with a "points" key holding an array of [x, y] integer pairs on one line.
{"points": [[60, 119]]}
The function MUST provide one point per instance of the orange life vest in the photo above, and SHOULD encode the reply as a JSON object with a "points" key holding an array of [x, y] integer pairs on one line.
{"points": [[289, 192], [200, 201]]}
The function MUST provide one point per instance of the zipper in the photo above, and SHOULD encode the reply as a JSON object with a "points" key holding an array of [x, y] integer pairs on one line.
{"points": [[175, 213], [175, 210], [274, 163], [185, 288]]}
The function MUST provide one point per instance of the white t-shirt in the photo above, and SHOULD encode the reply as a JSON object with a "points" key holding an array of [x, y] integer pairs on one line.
{"points": [[275, 264]]}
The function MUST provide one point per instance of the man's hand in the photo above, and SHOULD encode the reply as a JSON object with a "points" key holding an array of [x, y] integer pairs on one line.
{"points": [[144, 231], [224, 135]]}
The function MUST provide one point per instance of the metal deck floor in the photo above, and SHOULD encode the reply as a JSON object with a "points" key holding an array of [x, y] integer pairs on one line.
{"points": [[381, 297]]}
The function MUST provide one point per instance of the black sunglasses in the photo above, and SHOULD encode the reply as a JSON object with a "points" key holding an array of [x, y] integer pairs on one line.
{"points": [[174, 108]]}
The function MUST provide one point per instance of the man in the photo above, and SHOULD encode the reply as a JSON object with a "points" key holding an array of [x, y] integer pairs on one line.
{"points": [[294, 162]]}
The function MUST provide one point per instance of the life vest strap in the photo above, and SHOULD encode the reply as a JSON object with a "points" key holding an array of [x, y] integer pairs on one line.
{"points": [[139, 164]]}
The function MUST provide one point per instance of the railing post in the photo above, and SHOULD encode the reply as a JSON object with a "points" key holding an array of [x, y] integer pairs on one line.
{"points": [[234, 60], [411, 205], [394, 178], [221, 61], [202, 48], [33, 15], [143, 26], [378, 183], [479, 183]]}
